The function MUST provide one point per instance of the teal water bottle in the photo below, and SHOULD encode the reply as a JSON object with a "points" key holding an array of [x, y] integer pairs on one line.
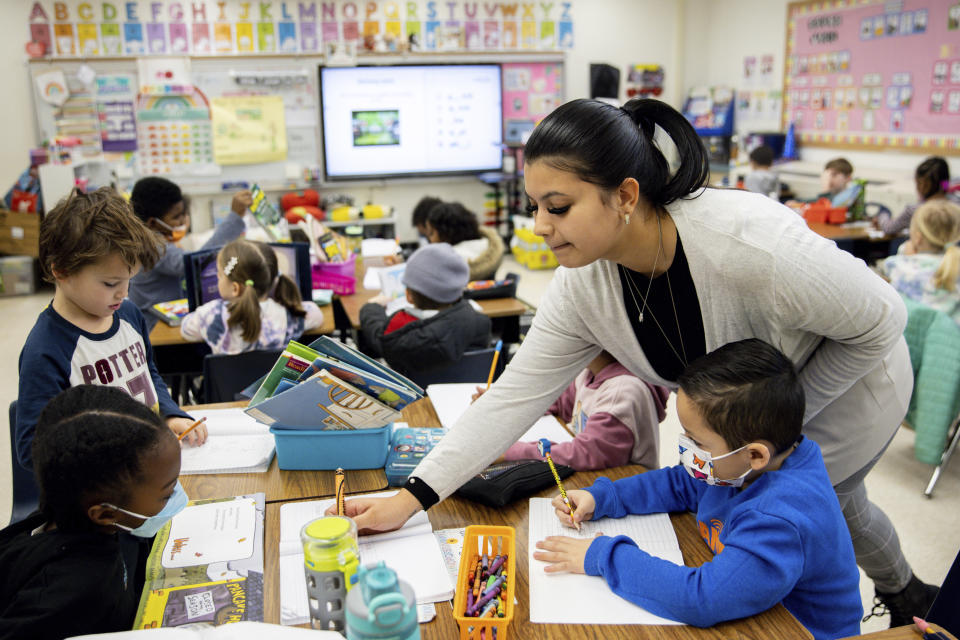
{"points": [[381, 607]]}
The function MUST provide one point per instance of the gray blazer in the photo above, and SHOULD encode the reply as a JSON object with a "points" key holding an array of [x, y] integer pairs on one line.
{"points": [[759, 272]]}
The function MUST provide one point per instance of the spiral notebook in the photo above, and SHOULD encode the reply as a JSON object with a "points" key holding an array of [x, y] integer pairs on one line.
{"points": [[236, 443]]}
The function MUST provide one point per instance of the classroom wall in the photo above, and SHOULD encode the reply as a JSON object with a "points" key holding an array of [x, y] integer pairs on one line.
{"points": [[720, 33]]}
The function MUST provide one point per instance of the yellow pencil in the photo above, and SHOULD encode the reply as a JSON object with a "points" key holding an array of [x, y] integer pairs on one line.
{"points": [[544, 446], [493, 365], [192, 427], [340, 477]]}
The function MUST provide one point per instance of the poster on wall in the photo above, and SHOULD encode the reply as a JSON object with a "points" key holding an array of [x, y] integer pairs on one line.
{"points": [[531, 90], [175, 134], [165, 27], [874, 74], [116, 95], [248, 130]]}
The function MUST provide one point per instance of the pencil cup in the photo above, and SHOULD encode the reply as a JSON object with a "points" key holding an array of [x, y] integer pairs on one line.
{"points": [[330, 559], [486, 583], [381, 607]]}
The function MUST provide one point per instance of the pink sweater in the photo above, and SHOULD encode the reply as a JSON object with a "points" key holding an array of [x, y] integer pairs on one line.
{"points": [[615, 416]]}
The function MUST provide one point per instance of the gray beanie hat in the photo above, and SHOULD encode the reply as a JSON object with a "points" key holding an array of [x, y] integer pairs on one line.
{"points": [[438, 272]]}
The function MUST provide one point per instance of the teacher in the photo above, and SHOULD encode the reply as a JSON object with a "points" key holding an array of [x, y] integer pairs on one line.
{"points": [[658, 270]]}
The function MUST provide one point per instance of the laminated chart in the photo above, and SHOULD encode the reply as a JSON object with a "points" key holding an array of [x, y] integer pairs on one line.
{"points": [[174, 132], [249, 130]]}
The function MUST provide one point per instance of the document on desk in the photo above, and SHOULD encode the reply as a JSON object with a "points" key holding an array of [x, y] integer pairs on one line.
{"points": [[236, 443], [452, 399], [551, 594], [412, 551]]}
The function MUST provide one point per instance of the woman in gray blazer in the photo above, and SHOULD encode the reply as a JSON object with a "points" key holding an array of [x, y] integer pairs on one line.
{"points": [[659, 270]]}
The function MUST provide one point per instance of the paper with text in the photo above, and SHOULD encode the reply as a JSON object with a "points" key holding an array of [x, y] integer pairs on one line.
{"points": [[551, 594], [236, 443]]}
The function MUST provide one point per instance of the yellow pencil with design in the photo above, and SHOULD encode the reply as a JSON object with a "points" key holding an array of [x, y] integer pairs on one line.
{"points": [[543, 446]]}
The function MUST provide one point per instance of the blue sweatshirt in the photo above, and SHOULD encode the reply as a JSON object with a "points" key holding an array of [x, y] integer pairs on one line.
{"points": [[59, 355], [163, 282], [781, 539]]}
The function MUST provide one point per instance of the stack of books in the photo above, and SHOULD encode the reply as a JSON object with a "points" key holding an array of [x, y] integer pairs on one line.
{"points": [[330, 386]]}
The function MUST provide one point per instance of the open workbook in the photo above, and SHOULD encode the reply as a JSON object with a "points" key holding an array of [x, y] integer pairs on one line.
{"points": [[236, 443], [551, 594], [452, 399], [412, 551]]}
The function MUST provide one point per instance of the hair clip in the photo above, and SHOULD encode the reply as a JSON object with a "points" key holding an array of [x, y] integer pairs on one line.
{"points": [[249, 283], [231, 263]]}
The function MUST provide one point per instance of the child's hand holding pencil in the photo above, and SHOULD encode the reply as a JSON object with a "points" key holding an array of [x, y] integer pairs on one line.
{"points": [[193, 431], [583, 504]]}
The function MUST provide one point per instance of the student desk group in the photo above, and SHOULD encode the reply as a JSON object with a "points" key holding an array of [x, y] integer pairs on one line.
{"points": [[287, 486]]}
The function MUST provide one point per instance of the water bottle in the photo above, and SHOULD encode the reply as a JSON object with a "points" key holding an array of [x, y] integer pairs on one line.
{"points": [[330, 559], [381, 607]]}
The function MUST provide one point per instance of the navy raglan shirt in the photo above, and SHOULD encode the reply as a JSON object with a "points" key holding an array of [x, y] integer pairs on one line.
{"points": [[59, 355]]}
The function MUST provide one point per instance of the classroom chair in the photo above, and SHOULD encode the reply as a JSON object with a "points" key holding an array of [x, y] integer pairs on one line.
{"points": [[934, 343], [225, 376], [474, 366], [26, 496]]}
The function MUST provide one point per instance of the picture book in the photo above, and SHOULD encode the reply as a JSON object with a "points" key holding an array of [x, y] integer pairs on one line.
{"points": [[206, 566], [237, 631], [236, 443], [412, 551], [389, 392], [323, 402], [344, 353], [292, 362], [171, 312], [269, 216]]}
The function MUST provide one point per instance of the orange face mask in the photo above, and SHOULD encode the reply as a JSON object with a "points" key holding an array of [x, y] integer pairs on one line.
{"points": [[176, 233]]}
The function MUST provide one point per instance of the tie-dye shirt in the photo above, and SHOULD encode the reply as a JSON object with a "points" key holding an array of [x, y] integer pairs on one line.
{"points": [[912, 276], [277, 326]]}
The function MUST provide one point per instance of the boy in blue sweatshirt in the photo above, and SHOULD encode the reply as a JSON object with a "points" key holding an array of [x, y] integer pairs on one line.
{"points": [[763, 502]]}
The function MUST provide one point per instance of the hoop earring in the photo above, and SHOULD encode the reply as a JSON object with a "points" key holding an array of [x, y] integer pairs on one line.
{"points": [[626, 218]]}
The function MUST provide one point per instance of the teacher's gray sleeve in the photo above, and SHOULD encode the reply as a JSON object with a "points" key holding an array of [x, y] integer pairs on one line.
{"points": [[557, 347], [826, 291]]}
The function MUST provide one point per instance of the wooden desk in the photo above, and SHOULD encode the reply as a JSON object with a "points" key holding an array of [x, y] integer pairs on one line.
{"points": [[163, 335], [856, 240], [492, 308], [908, 632], [457, 512], [283, 486], [842, 232]]}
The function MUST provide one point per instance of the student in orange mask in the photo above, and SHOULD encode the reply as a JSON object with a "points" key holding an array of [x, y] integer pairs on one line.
{"points": [[163, 208]]}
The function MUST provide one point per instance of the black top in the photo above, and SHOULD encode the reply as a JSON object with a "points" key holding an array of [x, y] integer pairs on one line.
{"points": [[57, 584], [668, 356]]}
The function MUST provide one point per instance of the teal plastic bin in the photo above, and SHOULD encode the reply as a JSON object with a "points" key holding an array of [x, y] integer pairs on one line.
{"points": [[314, 449]]}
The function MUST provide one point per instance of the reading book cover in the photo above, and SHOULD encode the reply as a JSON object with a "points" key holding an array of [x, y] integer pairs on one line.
{"points": [[294, 360], [342, 352], [268, 216], [389, 392], [324, 402], [171, 312], [206, 566]]}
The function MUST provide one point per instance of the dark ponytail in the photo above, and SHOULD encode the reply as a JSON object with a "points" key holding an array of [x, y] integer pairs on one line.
{"points": [[605, 145], [932, 174], [282, 289]]}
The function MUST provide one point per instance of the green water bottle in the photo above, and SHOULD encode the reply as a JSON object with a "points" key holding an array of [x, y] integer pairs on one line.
{"points": [[330, 559]]}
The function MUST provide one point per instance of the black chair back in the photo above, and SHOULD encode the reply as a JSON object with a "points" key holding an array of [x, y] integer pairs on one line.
{"points": [[26, 496], [474, 366], [225, 376]]}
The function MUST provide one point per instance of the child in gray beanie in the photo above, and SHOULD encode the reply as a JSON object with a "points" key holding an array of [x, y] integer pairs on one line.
{"points": [[439, 327]]}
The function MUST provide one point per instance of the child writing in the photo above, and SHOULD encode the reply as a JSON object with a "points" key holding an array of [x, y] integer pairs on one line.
{"points": [[932, 179], [90, 246], [107, 468], [928, 264], [763, 502], [160, 204], [258, 308], [438, 328], [613, 414], [761, 178]]}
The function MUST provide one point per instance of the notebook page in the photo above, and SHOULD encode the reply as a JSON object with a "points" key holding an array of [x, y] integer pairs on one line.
{"points": [[228, 454], [230, 422], [550, 594], [412, 551]]}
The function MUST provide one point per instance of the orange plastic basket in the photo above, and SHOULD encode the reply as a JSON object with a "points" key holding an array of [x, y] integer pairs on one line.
{"points": [[492, 541]]}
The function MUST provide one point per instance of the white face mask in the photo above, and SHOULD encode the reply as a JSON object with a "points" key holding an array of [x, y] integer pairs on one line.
{"points": [[699, 464]]}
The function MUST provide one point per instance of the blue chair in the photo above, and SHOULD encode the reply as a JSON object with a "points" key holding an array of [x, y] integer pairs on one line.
{"points": [[26, 496], [474, 366], [225, 376]]}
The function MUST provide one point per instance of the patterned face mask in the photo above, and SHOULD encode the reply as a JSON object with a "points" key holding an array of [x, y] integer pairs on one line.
{"points": [[699, 464]]}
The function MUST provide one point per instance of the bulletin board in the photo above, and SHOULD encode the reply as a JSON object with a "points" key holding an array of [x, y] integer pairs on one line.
{"points": [[874, 74], [531, 90], [227, 121]]}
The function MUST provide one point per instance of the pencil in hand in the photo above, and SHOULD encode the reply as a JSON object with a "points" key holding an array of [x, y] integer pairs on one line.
{"points": [[493, 365], [340, 478], [191, 428], [544, 447]]}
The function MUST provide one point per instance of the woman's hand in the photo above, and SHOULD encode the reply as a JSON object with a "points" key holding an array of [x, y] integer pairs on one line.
{"points": [[375, 515], [195, 438], [564, 554], [583, 505], [479, 392]]}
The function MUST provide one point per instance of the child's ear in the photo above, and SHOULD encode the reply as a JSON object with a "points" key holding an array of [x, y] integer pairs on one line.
{"points": [[409, 296], [760, 455], [102, 515]]}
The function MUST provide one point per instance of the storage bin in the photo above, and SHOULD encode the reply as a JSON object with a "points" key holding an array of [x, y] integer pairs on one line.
{"points": [[17, 276], [494, 541], [338, 276], [315, 449]]}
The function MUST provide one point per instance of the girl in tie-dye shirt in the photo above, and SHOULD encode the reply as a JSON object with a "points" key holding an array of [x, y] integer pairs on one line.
{"points": [[927, 266], [258, 308]]}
